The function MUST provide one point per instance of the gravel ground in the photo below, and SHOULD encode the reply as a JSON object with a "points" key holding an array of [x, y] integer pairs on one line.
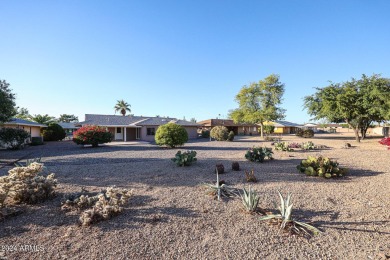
{"points": [[171, 217]]}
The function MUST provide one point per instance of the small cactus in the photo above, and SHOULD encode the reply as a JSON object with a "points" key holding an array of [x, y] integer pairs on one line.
{"points": [[235, 166], [250, 176]]}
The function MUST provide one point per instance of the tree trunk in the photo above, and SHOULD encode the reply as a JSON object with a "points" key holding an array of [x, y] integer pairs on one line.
{"points": [[356, 131], [261, 130]]}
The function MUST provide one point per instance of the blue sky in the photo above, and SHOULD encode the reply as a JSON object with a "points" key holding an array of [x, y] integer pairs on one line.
{"points": [[184, 58]]}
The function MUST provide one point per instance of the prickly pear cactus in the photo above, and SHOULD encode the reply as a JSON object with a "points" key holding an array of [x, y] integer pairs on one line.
{"points": [[184, 158], [322, 167]]}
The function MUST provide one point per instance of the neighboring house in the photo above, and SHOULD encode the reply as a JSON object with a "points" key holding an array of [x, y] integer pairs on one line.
{"points": [[238, 129], [284, 127], [69, 127], [311, 126], [33, 128], [129, 128]]}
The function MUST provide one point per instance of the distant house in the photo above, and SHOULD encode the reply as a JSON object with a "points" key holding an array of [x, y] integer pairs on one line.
{"points": [[237, 128], [311, 126], [33, 128], [69, 127], [284, 127], [129, 128]]}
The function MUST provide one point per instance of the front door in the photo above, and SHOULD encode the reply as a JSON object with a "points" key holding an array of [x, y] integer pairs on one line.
{"points": [[118, 133]]}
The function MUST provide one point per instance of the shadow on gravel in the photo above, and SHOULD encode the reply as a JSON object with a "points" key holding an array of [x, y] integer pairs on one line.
{"points": [[356, 226]]}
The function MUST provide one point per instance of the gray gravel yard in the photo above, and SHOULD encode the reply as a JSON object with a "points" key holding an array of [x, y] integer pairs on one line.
{"points": [[171, 217]]}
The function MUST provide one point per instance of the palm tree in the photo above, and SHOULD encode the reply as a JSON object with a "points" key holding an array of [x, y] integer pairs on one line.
{"points": [[122, 106], [43, 119]]}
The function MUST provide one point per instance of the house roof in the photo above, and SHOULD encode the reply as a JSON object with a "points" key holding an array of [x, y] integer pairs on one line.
{"points": [[281, 123], [116, 120], [66, 125], [18, 121], [222, 122]]}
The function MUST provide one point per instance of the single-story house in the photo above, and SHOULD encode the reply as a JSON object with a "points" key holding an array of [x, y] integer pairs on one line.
{"points": [[311, 126], [237, 128], [284, 127], [130, 128], [69, 127], [33, 128]]}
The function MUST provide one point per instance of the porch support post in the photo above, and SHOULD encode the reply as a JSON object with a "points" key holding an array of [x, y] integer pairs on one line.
{"points": [[125, 134]]}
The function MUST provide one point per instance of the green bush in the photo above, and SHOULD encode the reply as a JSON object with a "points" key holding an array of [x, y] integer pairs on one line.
{"points": [[171, 135], [92, 134], [219, 133], [13, 138], [184, 158], [308, 133], [321, 166], [54, 132], [205, 134], [299, 132], [258, 154], [230, 136]]}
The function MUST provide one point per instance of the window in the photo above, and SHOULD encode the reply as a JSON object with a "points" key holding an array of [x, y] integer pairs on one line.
{"points": [[150, 131], [118, 130]]}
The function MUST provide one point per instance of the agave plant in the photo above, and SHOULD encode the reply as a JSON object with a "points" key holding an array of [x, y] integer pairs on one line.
{"points": [[250, 199], [220, 189], [286, 220]]}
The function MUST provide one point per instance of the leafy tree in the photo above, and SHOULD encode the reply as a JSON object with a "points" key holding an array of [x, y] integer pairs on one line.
{"points": [[357, 103], [7, 102], [92, 134], [259, 102], [68, 118], [22, 113], [268, 129], [122, 106], [193, 120], [171, 135], [54, 132], [43, 119]]}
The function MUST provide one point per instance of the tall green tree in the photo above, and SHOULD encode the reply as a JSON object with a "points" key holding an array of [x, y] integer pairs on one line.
{"points": [[7, 102], [43, 119], [68, 118], [122, 106], [259, 102], [358, 103], [22, 113]]}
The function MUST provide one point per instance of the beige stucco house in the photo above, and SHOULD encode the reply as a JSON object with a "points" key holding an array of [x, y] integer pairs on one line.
{"points": [[130, 128], [237, 128], [33, 128]]}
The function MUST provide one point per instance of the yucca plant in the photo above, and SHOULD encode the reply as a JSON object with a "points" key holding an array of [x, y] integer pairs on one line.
{"points": [[287, 222], [219, 189], [250, 199]]}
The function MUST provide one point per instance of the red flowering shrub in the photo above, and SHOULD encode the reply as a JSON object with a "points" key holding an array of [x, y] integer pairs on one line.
{"points": [[385, 141], [92, 134]]}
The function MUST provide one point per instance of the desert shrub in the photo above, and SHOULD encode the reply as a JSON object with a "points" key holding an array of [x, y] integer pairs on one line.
{"points": [[78, 200], [308, 133], [268, 129], [26, 185], [235, 166], [250, 176], [273, 138], [322, 167], [205, 134], [13, 138], [230, 136], [38, 140], [283, 146], [171, 135], [219, 133], [385, 141], [219, 168], [54, 132], [258, 154], [299, 132], [184, 158], [108, 205], [92, 134], [294, 145]]}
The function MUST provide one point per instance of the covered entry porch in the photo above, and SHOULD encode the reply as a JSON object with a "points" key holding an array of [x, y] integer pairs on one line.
{"points": [[125, 133]]}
